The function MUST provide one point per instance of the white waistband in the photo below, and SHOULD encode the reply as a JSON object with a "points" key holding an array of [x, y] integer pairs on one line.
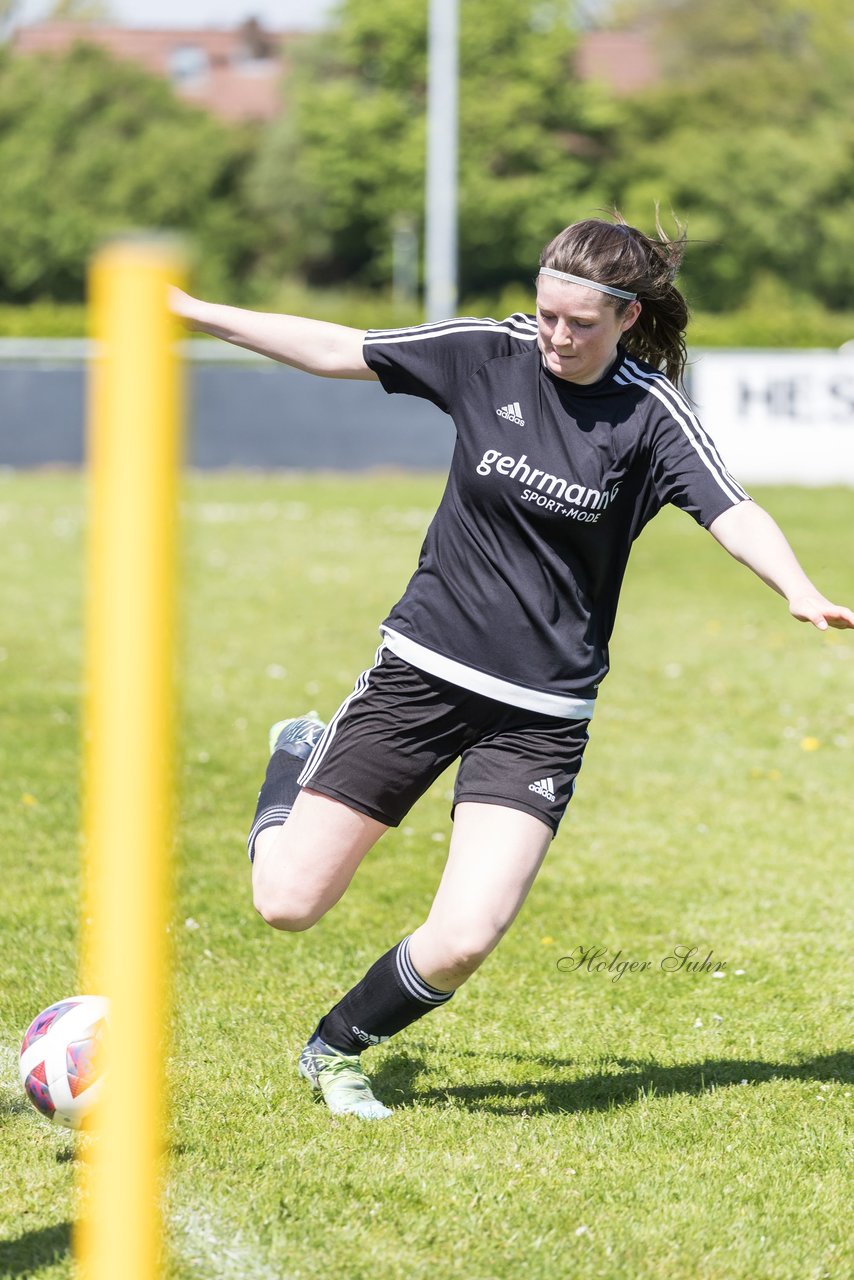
{"points": [[516, 695]]}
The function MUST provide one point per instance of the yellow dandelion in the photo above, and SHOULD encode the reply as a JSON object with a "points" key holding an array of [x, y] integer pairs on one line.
{"points": [[28, 799], [547, 941], [810, 744]]}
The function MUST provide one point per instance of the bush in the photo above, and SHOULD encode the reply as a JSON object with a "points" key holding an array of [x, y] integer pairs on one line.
{"points": [[43, 320], [773, 318]]}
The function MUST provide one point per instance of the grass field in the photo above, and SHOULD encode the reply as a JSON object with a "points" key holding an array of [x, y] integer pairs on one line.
{"points": [[548, 1124]]}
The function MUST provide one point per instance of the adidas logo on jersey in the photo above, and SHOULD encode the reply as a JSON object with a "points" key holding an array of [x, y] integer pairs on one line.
{"points": [[545, 787], [512, 413]]}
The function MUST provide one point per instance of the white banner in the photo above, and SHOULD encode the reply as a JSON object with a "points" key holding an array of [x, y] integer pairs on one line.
{"points": [[779, 417]]}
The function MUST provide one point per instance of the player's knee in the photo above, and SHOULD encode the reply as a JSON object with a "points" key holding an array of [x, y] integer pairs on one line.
{"points": [[288, 913], [465, 953]]}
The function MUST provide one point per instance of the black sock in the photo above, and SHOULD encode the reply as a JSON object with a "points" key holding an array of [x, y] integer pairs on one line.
{"points": [[277, 795], [391, 995]]}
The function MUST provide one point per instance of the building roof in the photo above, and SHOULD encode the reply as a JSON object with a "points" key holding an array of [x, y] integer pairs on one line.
{"points": [[237, 74], [234, 74], [623, 60]]}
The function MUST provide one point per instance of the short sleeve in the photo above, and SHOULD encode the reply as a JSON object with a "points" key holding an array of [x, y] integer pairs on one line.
{"points": [[433, 360], [687, 469]]}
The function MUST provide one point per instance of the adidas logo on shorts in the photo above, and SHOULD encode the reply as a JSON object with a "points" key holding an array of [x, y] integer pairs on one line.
{"points": [[512, 413], [545, 787]]}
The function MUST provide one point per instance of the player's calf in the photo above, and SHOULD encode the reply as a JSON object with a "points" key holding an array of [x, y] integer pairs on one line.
{"points": [[291, 743]]}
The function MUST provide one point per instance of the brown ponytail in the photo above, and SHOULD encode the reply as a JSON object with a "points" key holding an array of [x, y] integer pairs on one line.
{"points": [[615, 253]]}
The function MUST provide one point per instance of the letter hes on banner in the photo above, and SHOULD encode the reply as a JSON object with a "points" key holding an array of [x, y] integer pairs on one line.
{"points": [[552, 493], [779, 417]]}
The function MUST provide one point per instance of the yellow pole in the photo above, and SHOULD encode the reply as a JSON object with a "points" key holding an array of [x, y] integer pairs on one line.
{"points": [[134, 416]]}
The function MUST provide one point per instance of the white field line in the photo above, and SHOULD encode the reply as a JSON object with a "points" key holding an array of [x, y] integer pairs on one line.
{"points": [[10, 1076], [201, 1237]]}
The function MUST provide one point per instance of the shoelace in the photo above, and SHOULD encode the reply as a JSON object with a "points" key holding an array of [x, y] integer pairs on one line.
{"points": [[346, 1070]]}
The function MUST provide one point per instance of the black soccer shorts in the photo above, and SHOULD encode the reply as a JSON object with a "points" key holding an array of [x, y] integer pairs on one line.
{"points": [[401, 728]]}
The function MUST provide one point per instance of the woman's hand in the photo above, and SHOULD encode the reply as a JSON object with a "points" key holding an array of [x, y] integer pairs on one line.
{"points": [[183, 306], [820, 611]]}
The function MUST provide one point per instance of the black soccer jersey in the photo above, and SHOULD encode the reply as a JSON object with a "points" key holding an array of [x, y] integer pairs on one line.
{"points": [[517, 582]]}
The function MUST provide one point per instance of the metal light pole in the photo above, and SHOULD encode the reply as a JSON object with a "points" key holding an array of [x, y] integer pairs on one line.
{"points": [[441, 196]]}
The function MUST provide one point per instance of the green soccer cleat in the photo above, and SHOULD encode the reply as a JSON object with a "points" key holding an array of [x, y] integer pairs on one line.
{"points": [[340, 1079], [298, 735]]}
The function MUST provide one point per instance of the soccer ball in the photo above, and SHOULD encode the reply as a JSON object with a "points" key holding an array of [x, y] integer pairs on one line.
{"points": [[61, 1059]]}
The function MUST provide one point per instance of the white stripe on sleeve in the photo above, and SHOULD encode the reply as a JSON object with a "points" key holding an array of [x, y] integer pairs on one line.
{"points": [[659, 386]]}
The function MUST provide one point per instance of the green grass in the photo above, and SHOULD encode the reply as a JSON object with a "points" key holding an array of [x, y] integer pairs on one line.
{"points": [[549, 1124]]}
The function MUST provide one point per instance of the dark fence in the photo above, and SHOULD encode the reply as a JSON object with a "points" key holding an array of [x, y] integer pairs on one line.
{"points": [[243, 411]]}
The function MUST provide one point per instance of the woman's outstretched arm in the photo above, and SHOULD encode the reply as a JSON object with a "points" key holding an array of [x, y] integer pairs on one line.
{"points": [[316, 346], [754, 538]]}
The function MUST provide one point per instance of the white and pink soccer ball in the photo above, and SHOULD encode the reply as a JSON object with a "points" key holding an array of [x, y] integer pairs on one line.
{"points": [[62, 1059]]}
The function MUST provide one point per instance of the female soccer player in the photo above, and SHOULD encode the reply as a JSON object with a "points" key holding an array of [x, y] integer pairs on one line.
{"points": [[569, 439]]}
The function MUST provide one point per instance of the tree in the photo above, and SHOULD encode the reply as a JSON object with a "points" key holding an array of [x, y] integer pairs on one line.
{"points": [[90, 146], [348, 159], [750, 138], [811, 38], [79, 11], [759, 202]]}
